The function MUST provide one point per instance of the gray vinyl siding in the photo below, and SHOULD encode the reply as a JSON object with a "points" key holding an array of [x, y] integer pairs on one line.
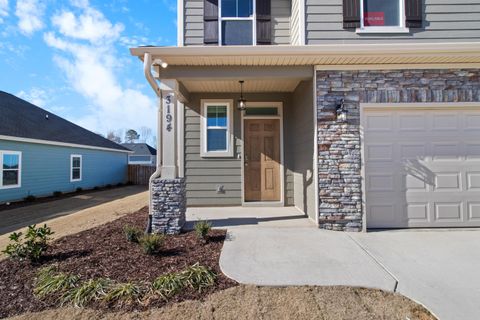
{"points": [[193, 22], [302, 148], [204, 174], [444, 20]]}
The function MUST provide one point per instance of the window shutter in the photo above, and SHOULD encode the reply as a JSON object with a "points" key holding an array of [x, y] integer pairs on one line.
{"points": [[351, 14], [210, 21], [413, 13], [264, 24]]}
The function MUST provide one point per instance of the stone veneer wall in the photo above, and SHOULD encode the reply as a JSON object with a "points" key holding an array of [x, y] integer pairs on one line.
{"points": [[169, 205], [339, 162]]}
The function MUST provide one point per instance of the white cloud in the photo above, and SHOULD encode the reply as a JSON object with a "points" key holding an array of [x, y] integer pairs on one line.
{"points": [[36, 96], [3, 9], [89, 62], [30, 14], [91, 25]]}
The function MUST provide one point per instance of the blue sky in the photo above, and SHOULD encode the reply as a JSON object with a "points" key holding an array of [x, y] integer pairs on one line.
{"points": [[71, 57]]}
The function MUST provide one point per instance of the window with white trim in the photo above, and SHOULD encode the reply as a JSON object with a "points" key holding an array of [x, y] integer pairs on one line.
{"points": [[237, 22], [75, 168], [216, 129], [382, 15], [10, 169]]}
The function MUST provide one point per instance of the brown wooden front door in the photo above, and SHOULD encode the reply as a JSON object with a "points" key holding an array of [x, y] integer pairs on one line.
{"points": [[262, 160]]}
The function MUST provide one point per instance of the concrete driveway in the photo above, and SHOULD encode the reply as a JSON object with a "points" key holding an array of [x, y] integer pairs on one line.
{"points": [[437, 268], [14, 219]]}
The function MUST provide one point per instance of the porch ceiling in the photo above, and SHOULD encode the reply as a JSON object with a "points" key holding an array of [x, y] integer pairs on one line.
{"points": [[250, 86], [346, 54]]}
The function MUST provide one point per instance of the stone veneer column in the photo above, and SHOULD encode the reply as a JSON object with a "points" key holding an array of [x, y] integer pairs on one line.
{"points": [[339, 154], [169, 191], [169, 205]]}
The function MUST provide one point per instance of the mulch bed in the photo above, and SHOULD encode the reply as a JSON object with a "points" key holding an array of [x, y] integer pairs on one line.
{"points": [[104, 252]]}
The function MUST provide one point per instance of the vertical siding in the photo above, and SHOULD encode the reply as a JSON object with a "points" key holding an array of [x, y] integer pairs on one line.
{"points": [[295, 23], [204, 174], [454, 20], [46, 169], [302, 142], [193, 22]]}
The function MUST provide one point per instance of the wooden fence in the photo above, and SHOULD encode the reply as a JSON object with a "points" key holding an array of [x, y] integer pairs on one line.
{"points": [[140, 174]]}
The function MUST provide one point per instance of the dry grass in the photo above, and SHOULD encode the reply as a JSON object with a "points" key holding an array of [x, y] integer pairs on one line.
{"points": [[250, 302]]}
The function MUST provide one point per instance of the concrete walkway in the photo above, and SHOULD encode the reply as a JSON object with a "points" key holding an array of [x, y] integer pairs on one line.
{"points": [[437, 268], [14, 219]]}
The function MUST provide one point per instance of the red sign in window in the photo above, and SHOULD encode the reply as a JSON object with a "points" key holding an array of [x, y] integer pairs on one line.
{"points": [[374, 19]]}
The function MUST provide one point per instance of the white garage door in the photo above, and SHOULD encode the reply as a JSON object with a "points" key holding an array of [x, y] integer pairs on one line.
{"points": [[422, 167]]}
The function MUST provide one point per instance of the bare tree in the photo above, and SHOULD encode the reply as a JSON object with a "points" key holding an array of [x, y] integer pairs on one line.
{"points": [[113, 137], [145, 134]]}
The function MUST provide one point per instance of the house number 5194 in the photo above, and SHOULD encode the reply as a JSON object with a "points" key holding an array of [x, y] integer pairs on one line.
{"points": [[168, 114]]}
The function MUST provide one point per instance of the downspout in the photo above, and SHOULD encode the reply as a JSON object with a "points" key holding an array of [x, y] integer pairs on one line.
{"points": [[147, 69]]}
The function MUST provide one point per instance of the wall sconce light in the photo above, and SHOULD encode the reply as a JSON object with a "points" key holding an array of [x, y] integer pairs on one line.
{"points": [[341, 111], [242, 103]]}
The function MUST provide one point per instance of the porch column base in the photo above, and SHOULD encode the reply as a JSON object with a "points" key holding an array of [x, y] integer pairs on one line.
{"points": [[169, 205]]}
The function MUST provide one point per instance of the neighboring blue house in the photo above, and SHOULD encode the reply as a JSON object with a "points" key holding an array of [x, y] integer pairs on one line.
{"points": [[41, 153]]}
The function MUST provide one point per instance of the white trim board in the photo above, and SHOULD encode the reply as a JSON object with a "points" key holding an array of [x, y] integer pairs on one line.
{"points": [[280, 203], [60, 144]]}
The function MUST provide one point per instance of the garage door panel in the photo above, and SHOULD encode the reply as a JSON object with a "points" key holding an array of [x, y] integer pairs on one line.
{"points": [[422, 169]]}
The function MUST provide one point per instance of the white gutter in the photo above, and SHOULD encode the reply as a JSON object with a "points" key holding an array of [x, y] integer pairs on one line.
{"points": [[147, 69]]}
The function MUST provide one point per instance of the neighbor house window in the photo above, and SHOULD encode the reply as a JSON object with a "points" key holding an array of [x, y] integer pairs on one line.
{"points": [[237, 25], [75, 168], [10, 169], [216, 129], [140, 159], [382, 14]]}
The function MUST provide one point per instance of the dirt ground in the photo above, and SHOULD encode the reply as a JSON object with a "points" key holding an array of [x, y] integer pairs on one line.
{"points": [[250, 302], [91, 217]]}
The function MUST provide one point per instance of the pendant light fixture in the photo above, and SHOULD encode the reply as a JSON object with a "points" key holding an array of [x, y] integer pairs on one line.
{"points": [[242, 103]]}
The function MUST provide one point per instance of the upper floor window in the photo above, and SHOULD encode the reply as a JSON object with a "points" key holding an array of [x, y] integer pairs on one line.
{"points": [[382, 16], [10, 169], [237, 22]]}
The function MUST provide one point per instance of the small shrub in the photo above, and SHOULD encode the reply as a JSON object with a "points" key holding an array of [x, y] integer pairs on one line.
{"points": [[108, 186], [124, 292], [152, 243], [50, 282], [202, 228], [133, 234], [30, 198], [32, 246], [96, 188], [57, 193], [168, 285], [120, 184], [88, 291], [198, 277], [79, 189]]}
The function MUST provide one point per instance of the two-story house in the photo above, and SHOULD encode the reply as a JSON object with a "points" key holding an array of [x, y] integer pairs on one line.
{"points": [[361, 113]]}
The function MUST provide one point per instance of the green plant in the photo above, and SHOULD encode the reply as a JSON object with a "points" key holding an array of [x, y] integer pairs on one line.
{"points": [[50, 282], [79, 189], [168, 285], [108, 186], [96, 188], [57, 193], [124, 292], [202, 228], [91, 290], [29, 198], [198, 277], [152, 243], [133, 234], [32, 246], [120, 184]]}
